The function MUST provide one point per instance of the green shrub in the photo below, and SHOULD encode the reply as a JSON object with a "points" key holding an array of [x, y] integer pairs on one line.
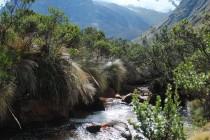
{"points": [[6, 62], [157, 122], [187, 77]]}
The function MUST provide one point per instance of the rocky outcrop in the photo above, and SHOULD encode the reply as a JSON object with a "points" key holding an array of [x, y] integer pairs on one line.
{"points": [[192, 10]]}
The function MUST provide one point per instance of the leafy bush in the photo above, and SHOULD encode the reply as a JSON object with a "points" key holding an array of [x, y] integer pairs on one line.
{"points": [[6, 62], [186, 76], [157, 122]]}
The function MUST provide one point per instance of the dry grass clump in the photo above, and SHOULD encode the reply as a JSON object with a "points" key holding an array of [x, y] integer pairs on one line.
{"points": [[97, 77], [106, 75], [201, 136], [79, 85], [116, 73], [6, 98], [63, 82]]}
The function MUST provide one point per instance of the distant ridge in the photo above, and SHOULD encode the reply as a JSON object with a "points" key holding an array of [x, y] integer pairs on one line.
{"points": [[192, 10], [116, 21]]}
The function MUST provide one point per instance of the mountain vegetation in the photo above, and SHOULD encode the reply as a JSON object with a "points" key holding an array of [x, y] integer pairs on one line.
{"points": [[49, 67]]}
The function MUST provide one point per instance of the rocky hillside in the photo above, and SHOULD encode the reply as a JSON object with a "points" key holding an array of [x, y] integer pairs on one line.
{"points": [[114, 20], [192, 10]]}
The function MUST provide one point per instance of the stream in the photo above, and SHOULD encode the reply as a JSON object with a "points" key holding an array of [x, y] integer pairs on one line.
{"points": [[116, 113]]}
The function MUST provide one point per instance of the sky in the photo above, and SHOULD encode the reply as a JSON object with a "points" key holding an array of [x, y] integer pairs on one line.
{"points": [[2, 2], [160, 5]]}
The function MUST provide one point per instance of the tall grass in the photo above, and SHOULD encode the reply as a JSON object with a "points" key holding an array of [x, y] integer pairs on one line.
{"points": [[106, 75], [25, 75], [116, 73], [6, 98], [62, 82], [79, 84], [98, 78]]}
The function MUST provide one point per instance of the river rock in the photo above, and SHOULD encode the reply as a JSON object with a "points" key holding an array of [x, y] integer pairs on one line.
{"points": [[123, 129], [144, 95], [145, 91], [128, 98], [93, 128], [118, 96], [114, 127]]}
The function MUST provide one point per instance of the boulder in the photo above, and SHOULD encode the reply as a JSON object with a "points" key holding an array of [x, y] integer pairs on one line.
{"points": [[145, 91], [93, 128], [123, 129], [114, 127], [128, 98], [118, 96], [144, 95]]}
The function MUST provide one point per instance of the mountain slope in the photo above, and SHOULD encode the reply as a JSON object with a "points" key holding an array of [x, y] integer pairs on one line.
{"points": [[114, 20], [153, 18], [192, 10], [119, 21]]}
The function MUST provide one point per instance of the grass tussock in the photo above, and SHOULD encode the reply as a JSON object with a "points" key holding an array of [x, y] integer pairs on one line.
{"points": [[108, 75], [62, 82], [97, 77], [197, 110], [201, 136], [25, 75], [116, 73], [79, 84], [6, 98], [202, 133]]}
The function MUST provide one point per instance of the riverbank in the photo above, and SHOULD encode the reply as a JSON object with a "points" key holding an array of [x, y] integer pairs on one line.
{"points": [[115, 116]]}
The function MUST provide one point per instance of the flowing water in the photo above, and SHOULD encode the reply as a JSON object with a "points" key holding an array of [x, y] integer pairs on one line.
{"points": [[115, 111]]}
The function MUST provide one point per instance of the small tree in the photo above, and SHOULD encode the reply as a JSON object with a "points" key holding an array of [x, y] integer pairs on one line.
{"points": [[102, 48]]}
